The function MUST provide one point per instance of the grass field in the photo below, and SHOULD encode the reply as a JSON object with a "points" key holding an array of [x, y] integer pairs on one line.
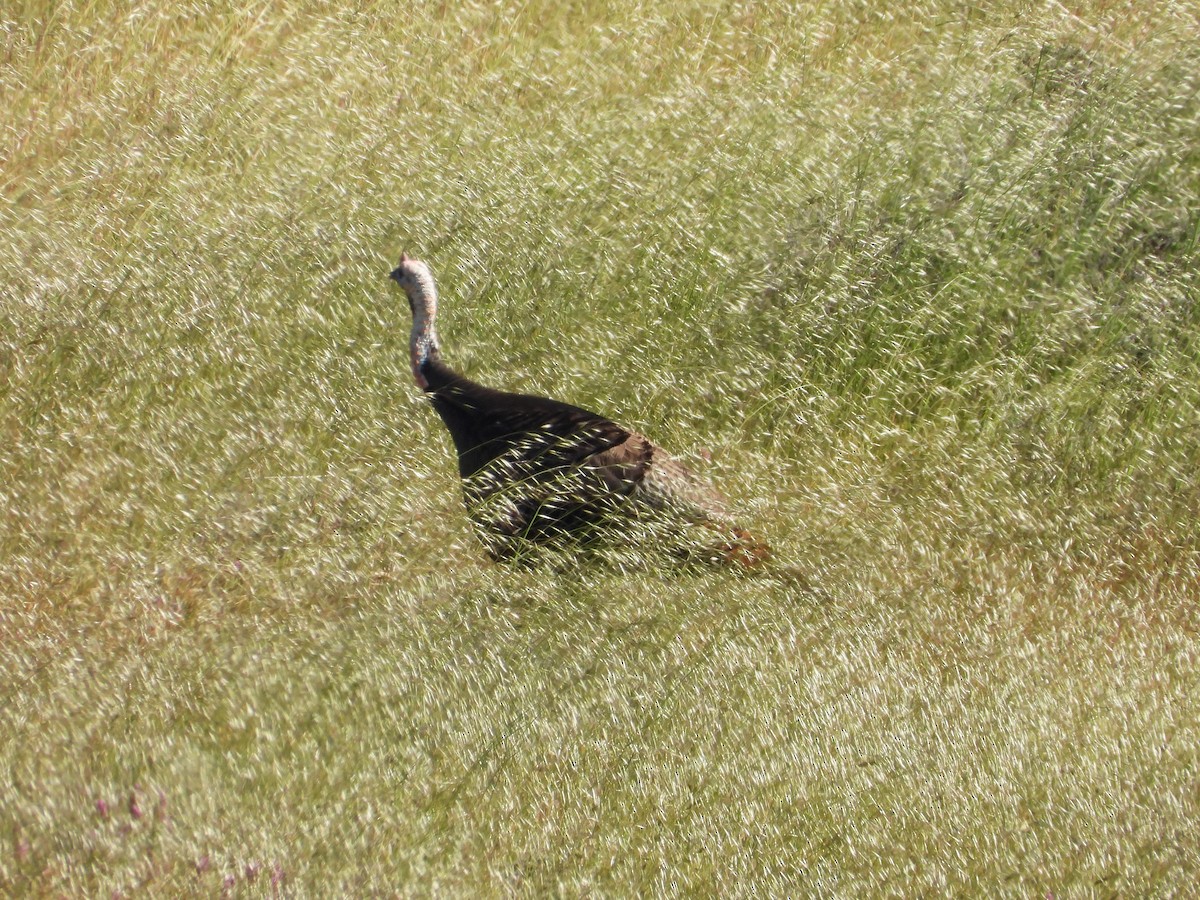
{"points": [[918, 289]]}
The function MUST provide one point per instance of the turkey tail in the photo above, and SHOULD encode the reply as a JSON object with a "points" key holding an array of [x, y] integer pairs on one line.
{"points": [[744, 550]]}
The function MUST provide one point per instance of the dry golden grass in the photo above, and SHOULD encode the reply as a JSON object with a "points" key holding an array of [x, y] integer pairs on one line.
{"points": [[923, 286]]}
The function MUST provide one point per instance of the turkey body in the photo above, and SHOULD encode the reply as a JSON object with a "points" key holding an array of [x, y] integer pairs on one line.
{"points": [[538, 472]]}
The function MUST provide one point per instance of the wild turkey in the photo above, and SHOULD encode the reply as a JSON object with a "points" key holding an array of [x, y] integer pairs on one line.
{"points": [[537, 472]]}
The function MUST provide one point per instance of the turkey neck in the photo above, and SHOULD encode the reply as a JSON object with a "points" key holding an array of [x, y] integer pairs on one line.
{"points": [[423, 343]]}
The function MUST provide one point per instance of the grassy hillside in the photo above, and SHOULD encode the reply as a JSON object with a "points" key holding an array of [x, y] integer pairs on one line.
{"points": [[917, 289]]}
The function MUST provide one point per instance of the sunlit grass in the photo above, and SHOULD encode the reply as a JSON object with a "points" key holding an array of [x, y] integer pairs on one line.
{"points": [[917, 289]]}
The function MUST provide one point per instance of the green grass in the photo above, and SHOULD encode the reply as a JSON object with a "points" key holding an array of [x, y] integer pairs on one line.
{"points": [[923, 284]]}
